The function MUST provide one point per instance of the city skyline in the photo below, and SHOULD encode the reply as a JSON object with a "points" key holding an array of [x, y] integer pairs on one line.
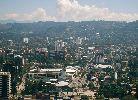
{"points": [[68, 50], [69, 10]]}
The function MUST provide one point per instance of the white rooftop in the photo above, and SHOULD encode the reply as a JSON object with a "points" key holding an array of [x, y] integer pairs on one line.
{"points": [[50, 70], [103, 66], [47, 70], [70, 71], [62, 83]]}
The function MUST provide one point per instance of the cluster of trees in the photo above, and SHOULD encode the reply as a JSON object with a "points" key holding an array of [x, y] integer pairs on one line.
{"points": [[33, 87], [114, 90]]}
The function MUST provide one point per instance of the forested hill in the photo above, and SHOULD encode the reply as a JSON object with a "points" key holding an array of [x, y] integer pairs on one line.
{"points": [[118, 32]]}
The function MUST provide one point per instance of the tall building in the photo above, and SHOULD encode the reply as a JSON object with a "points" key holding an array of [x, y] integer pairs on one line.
{"points": [[5, 85], [57, 55], [99, 58], [79, 41], [10, 42], [59, 44], [25, 40]]}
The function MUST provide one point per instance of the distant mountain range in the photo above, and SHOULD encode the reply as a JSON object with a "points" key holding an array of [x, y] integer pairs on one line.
{"points": [[13, 21], [7, 21], [109, 31]]}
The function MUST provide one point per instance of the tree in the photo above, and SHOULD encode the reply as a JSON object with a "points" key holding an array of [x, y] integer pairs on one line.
{"points": [[112, 90], [129, 97], [84, 97], [91, 86], [100, 97]]}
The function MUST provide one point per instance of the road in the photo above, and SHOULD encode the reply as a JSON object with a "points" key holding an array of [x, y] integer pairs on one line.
{"points": [[21, 86]]}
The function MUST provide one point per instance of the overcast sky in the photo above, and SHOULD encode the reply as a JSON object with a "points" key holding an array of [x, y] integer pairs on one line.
{"points": [[69, 10]]}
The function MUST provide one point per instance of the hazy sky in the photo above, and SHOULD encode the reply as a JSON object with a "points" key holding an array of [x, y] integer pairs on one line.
{"points": [[65, 10]]}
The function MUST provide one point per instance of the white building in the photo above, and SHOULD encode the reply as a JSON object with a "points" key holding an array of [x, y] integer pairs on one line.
{"points": [[79, 41], [59, 74], [42, 73], [59, 44], [25, 40], [70, 71], [103, 66]]}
